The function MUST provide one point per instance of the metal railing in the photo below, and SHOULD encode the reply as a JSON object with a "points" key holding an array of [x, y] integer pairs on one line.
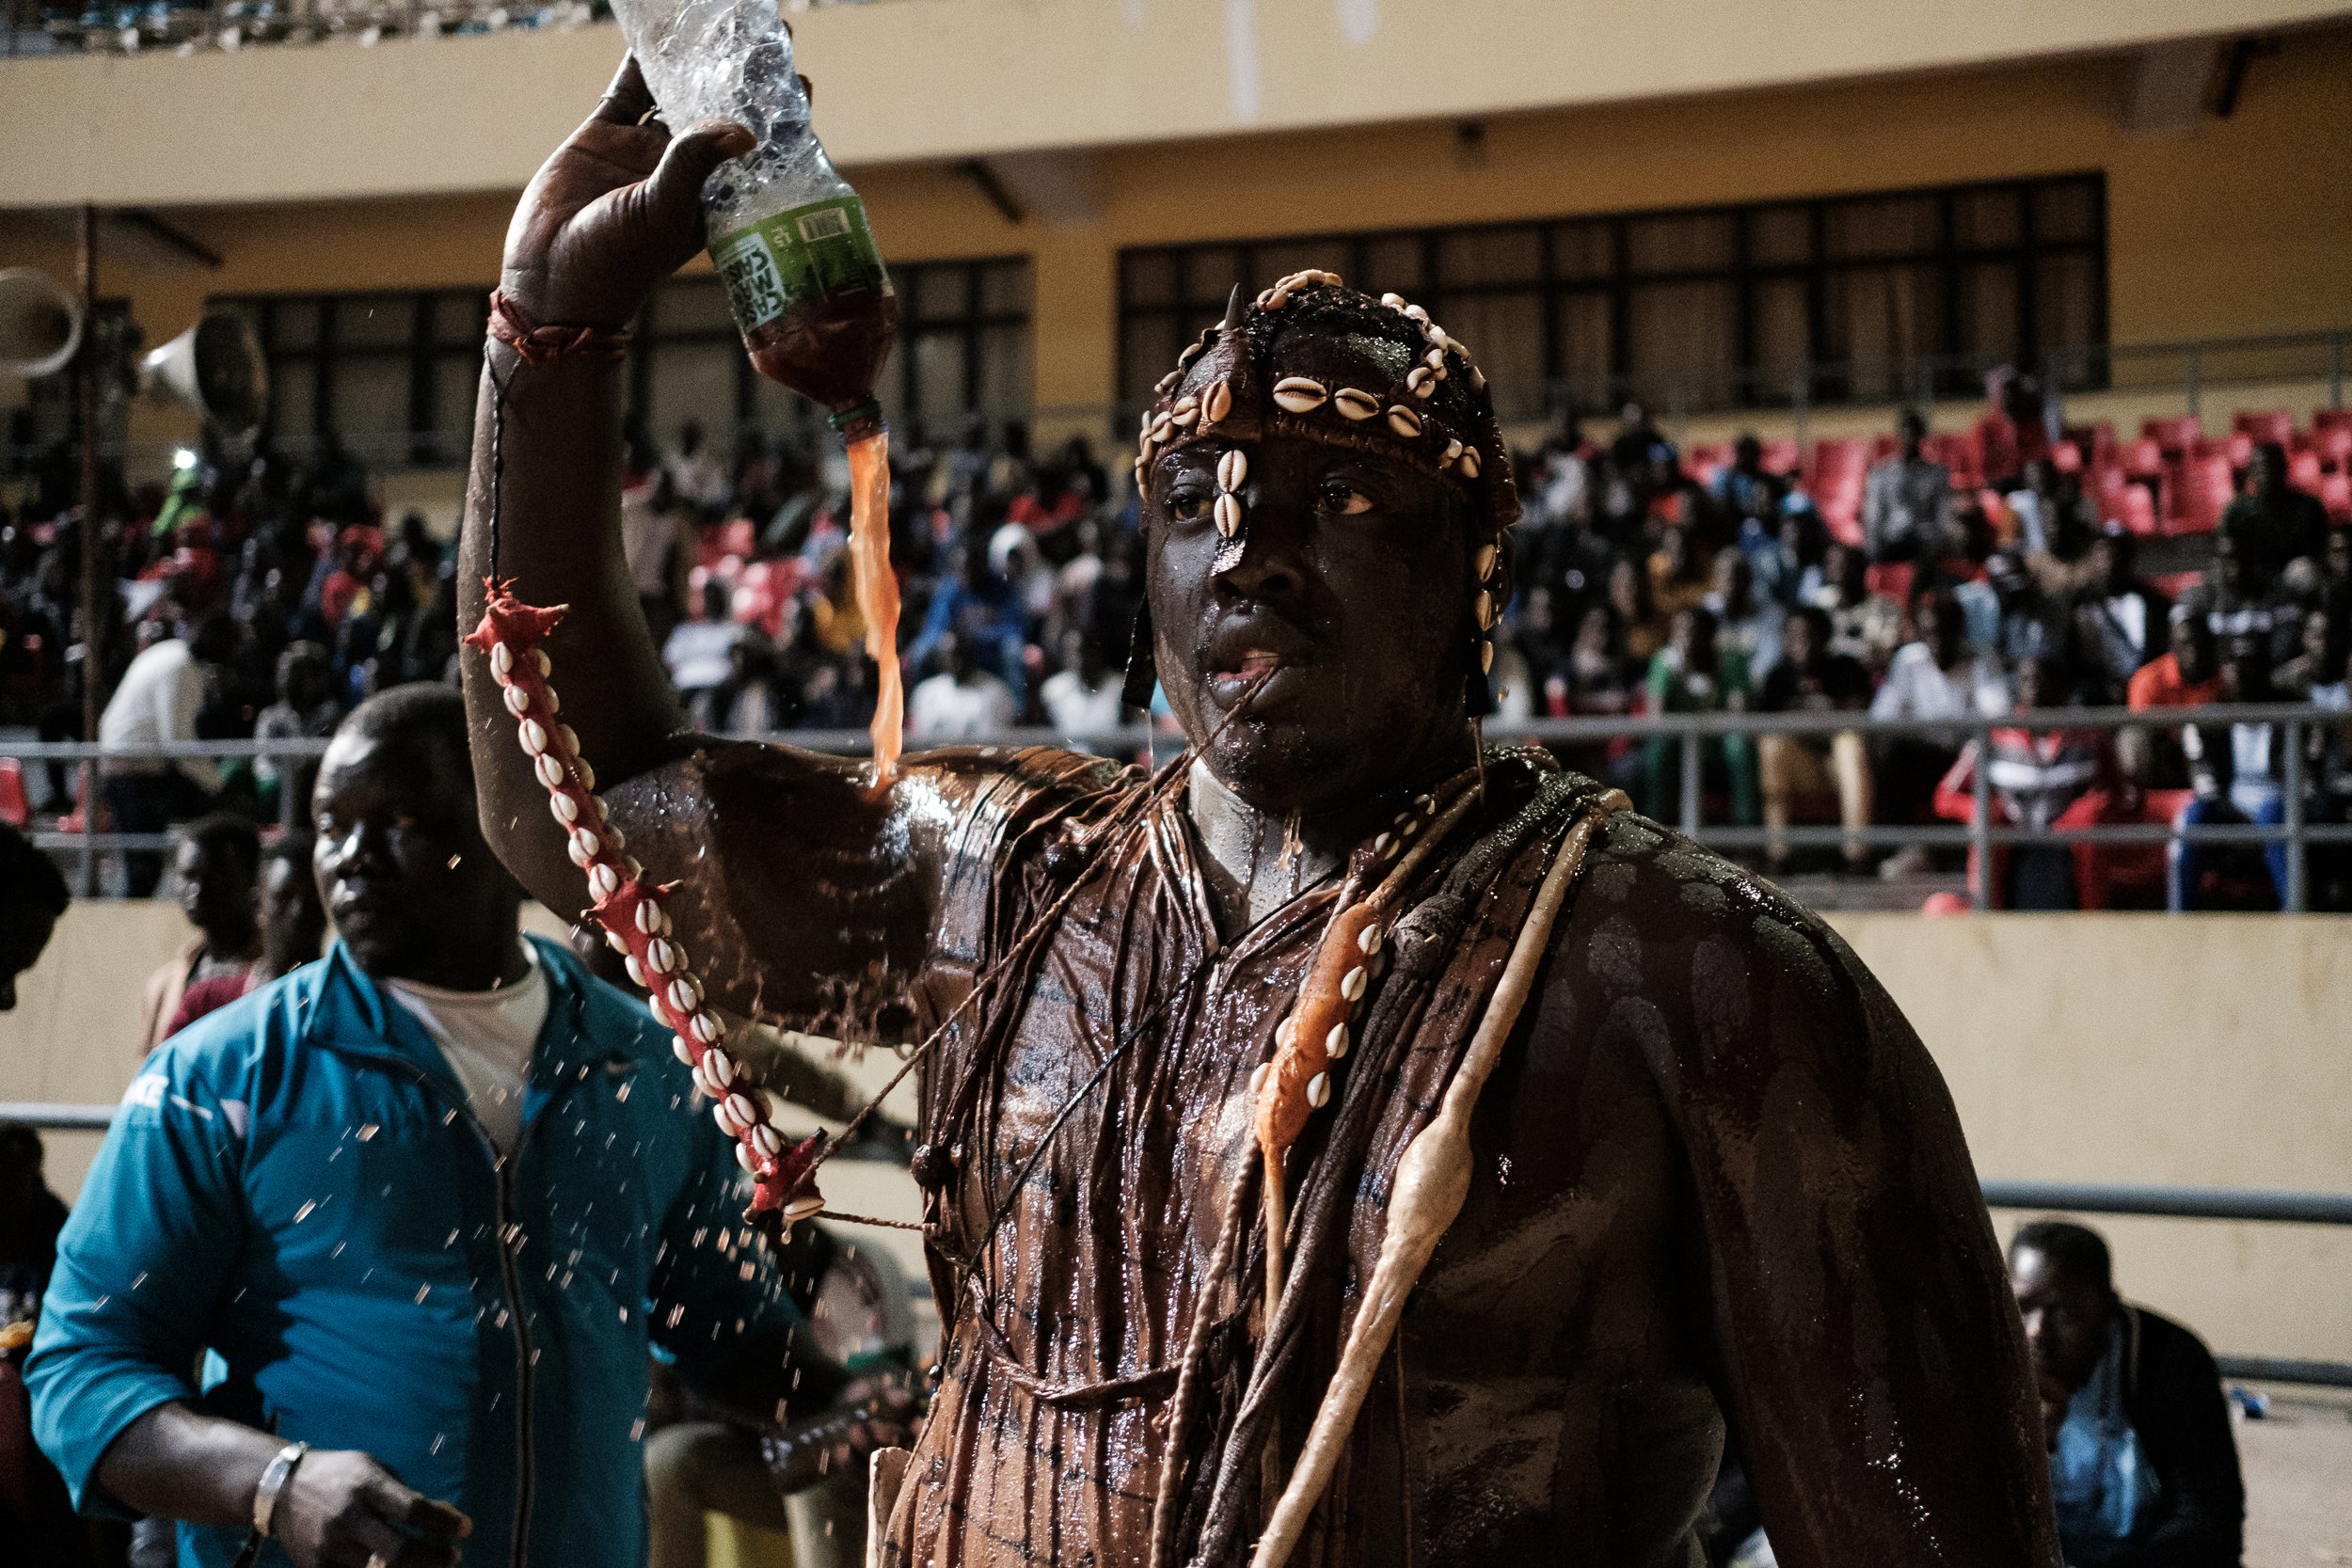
{"points": [[2086, 1197], [1687, 733], [2195, 1203]]}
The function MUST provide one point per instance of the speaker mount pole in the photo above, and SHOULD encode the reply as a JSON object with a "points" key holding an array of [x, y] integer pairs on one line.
{"points": [[94, 592]]}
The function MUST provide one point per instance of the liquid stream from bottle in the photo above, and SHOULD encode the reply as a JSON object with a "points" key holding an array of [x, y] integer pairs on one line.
{"points": [[830, 349], [877, 593]]}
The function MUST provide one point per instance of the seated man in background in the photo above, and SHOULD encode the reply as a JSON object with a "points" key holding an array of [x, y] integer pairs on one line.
{"points": [[215, 868], [292, 922], [1812, 679], [1693, 674], [1863, 626], [2141, 1458], [2124, 622], [2238, 775], [2187, 677], [431, 1202], [1936, 676], [960, 701], [1907, 501], [2272, 523], [2038, 778]]}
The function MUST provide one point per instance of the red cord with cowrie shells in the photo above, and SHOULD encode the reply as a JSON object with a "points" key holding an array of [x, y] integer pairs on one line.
{"points": [[631, 908]]}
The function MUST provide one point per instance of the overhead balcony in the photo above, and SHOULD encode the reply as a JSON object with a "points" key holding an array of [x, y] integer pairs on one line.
{"points": [[914, 81]]}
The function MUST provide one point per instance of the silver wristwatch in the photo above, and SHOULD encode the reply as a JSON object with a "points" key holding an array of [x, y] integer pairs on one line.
{"points": [[274, 1477]]}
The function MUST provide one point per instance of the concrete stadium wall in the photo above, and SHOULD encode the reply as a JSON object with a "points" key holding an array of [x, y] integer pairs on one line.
{"points": [[2202, 1051], [2216, 231]]}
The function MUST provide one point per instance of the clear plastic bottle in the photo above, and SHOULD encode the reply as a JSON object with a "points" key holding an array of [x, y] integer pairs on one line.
{"points": [[807, 285], [789, 235]]}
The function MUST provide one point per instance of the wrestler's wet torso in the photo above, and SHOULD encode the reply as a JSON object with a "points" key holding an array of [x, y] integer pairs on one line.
{"points": [[1704, 1073]]}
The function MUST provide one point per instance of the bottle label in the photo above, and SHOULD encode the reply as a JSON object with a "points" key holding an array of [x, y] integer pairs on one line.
{"points": [[807, 252]]}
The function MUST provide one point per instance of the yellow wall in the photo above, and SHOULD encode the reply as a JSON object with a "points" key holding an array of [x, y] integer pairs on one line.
{"points": [[2222, 231], [2202, 1051], [930, 79]]}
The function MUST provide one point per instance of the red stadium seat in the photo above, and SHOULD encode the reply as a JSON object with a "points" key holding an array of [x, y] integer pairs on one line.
{"points": [[2335, 494], [2175, 434], [2136, 509], [2270, 425], [2330, 418], [2206, 486], [2303, 469], [16, 808], [2144, 458], [1836, 457], [1782, 458], [2240, 448], [1706, 462], [2097, 441], [2334, 446]]}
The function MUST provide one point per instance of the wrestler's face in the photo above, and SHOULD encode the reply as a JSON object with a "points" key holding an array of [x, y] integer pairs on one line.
{"points": [[1352, 599]]}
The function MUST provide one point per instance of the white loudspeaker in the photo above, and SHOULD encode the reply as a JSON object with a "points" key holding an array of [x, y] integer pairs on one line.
{"points": [[216, 368], [40, 323]]}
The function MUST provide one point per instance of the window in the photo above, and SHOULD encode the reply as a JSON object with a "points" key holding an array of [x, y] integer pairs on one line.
{"points": [[1862, 297], [392, 375], [963, 352]]}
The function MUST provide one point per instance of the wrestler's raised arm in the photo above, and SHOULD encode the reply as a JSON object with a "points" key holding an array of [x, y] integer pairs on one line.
{"points": [[791, 869]]}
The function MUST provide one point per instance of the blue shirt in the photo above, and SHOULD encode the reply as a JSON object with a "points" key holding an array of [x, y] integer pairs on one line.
{"points": [[296, 1183]]}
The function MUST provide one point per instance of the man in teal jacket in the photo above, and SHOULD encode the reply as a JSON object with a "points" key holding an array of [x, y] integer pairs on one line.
{"points": [[430, 1201]]}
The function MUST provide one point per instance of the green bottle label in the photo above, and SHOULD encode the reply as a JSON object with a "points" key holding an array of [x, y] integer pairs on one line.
{"points": [[807, 252]]}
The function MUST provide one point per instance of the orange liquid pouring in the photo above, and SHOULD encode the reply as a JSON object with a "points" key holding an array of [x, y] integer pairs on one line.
{"points": [[877, 593]]}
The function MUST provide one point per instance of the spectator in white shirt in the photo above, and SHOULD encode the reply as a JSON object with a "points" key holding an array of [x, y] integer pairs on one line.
{"points": [[1937, 677], [155, 704], [1082, 700], [701, 655], [695, 474], [2125, 621], [961, 702]]}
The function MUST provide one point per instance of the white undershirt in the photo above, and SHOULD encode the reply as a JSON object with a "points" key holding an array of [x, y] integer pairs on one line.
{"points": [[487, 1038]]}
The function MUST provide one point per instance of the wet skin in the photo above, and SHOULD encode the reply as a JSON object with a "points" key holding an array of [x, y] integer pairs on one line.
{"points": [[1717, 1176]]}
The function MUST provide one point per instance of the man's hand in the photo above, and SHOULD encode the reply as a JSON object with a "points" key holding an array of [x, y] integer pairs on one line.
{"points": [[341, 1509], [616, 210]]}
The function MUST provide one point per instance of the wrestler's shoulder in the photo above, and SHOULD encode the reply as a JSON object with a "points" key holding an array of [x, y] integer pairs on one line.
{"points": [[1651, 906]]}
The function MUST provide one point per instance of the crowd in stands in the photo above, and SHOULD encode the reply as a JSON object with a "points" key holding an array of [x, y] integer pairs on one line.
{"points": [[1957, 577], [1914, 577]]}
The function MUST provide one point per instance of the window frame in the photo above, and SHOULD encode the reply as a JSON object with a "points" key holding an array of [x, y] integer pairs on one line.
{"points": [[419, 350], [1825, 381], [972, 323]]}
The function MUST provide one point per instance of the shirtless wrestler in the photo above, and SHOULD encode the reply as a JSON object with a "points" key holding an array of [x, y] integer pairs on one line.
{"points": [[1717, 1186]]}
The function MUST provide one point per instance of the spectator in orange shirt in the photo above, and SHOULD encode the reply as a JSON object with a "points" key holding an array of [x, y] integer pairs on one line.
{"points": [[2187, 677]]}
